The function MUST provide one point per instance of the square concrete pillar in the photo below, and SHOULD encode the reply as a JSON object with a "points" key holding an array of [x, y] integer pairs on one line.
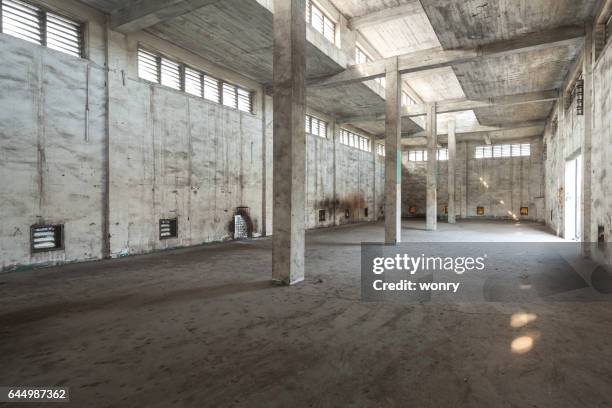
{"points": [[452, 155], [289, 141], [432, 167], [393, 158], [587, 175]]}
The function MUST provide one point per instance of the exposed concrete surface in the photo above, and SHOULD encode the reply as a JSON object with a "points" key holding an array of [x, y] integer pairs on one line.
{"points": [[203, 327], [289, 147], [565, 140], [511, 183], [169, 154]]}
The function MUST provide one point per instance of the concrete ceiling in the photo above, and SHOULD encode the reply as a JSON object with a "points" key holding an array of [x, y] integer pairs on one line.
{"points": [[105, 5], [238, 34], [455, 24], [469, 23], [407, 34]]}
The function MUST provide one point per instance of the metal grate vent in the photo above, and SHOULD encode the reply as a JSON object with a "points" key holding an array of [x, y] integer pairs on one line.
{"points": [[241, 230], [46, 237], [168, 228], [580, 97], [39, 26]]}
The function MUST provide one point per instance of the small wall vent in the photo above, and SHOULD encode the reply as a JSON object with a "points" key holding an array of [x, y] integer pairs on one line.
{"points": [[580, 97], [45, 238], [321, 215], [168, 228]]}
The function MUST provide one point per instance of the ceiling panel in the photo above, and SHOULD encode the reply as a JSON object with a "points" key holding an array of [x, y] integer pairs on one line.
{"points": [[468, 23]]}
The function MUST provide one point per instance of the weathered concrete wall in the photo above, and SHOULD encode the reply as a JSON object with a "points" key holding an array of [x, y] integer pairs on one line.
{"points": [[515, 181], [146, 152], [355, 182], [565, 143], [51, 159], [320, 170], [601, 212]]}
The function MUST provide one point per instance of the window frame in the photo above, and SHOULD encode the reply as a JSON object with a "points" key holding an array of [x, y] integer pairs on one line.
{"points": [[355, 140], [324, 17], [503, 151], [208, 83], [43, 12], [308, 127]]}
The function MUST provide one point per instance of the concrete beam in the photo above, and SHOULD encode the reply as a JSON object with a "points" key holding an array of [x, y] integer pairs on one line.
{"points": [[479, 129], [436, 58], [360, 118], [432, 169], [458, 105], [289, 142], [393, 158], [385, 15], [452, 154], [603, 12], [506, 134], [141, 14]]}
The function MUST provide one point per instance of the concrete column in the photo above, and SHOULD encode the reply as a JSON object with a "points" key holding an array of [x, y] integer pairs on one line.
{"points": [[117, 213], [393, 159], [561, 136], [432, 166], [373, 211], [587, 75], [452, 152], [289, 141]]}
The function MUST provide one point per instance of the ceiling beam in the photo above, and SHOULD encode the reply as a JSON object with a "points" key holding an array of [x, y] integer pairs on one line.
{"points": [[141, 14], [480, 129], [458, 105], [506, 134], [436, 58], [603, 11], [385, 15], [361, 118]]}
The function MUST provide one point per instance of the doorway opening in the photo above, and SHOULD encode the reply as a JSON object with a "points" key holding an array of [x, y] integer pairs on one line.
{"points": [[573, 198]]}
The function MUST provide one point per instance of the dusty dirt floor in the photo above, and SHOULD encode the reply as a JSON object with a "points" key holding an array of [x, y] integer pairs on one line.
{"points": [[204, 327]]}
